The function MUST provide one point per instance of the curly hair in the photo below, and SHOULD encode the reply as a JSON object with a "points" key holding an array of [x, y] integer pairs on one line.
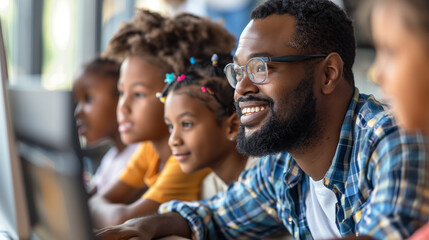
{"points": [[321, 27], [170, 41], [107, 68], [209, 86]]}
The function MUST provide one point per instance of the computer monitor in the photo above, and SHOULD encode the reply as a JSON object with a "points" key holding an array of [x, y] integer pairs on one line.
{"points": [[13, 206], [49, 150], [43, 171]]}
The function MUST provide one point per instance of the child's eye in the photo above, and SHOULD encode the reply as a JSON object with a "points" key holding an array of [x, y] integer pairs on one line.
{"points": [[139, 94], [187, 124], [88, 98], [121, 93], [170, 127]]}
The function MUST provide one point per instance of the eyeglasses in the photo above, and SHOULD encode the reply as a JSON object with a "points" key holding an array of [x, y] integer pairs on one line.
{"points": [[256, 68]]}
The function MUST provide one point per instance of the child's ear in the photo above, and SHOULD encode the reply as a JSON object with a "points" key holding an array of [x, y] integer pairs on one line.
{"points": [[233, 126]]}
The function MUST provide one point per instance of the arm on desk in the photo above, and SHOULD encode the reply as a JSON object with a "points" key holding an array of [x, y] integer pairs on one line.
{"points": [[112, 206], [154, 226]]}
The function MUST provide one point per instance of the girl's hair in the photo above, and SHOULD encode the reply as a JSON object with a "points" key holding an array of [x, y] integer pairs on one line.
{"points": [[106, 68], [417, 17], [172, 41], [207, 84]]}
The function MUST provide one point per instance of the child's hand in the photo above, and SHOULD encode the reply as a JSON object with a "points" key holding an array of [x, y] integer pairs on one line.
{"points": [[126, 231]]}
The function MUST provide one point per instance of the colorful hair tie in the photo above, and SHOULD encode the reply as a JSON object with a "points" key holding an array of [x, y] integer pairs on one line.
{"points": [[169, 78], [215, 60], [161, 97], [207, 90], [181, 77], [228, 109], [193, 60]]}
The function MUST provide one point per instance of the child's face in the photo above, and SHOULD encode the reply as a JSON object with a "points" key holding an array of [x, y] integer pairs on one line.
{"points": [[196, 139], [402, 65], [140, 113], [95, 112]]}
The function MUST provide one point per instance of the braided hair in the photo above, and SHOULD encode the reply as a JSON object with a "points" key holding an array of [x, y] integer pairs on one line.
{"points": [[208, 85]]}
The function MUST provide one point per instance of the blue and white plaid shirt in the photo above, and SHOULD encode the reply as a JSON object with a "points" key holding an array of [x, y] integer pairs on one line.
{"points": [[379, 176]]}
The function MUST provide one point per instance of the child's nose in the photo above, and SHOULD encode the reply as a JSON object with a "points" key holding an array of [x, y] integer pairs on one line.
{"points": [[123, 104], [174, 139]]}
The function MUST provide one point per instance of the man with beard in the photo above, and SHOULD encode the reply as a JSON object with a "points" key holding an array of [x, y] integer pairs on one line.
{"points": [[335, 164]]}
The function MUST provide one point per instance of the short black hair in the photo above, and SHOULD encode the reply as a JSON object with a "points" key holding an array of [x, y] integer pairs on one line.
{"points": [[104, 67], [321, 27]]}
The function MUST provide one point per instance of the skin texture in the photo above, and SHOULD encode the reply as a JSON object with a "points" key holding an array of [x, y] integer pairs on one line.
{"points": [[95, 113], [269, 37], [140, 118], [194, 132], [402, 65]]}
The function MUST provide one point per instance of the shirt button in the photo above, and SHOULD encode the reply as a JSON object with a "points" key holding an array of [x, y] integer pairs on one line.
{"points": [[289, 219]]}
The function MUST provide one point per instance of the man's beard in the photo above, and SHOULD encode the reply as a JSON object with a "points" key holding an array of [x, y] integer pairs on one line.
{"points": [[292, 132]]}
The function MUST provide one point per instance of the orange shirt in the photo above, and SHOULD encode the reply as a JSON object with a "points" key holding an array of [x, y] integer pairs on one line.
{"points": [[169, 184]]}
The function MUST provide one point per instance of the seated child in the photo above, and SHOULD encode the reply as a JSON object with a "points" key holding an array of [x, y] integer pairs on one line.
{"points": [[151, 46], [96, 97], [401, 35], [199, 113]]}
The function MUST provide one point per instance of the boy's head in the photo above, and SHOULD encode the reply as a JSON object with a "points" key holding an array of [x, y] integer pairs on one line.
{"points": [[401, 36], [201, 120], [96, 98], [153, 46]]}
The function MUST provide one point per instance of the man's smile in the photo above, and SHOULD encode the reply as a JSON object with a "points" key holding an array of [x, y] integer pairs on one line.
{"points": [[253, 112]]}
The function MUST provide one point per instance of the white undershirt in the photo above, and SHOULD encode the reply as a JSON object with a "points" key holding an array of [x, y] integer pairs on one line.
{"points": [[320, 211]]}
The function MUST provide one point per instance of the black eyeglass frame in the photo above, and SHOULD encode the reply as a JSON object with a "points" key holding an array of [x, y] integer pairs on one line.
{"points": [[288, 58]]}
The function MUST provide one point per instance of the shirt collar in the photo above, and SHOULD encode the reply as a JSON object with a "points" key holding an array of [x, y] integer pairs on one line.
{"points": [[338, 171]]}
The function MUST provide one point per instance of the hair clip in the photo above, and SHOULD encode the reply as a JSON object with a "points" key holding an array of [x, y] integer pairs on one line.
{"points": [[169, 78], [181, 77], [161, 97], [207, 90], [193, 60], [229, 110], [215, 59]]}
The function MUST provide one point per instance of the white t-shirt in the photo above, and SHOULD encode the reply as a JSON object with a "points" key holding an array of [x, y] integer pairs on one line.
{"points": [[320, 211], [212, 184], [112, 165]]}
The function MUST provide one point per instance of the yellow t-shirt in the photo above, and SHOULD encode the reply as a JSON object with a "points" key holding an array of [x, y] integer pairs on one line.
{"points": [[169, 184]]}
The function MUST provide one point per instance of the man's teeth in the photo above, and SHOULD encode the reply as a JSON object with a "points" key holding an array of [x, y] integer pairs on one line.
{"points": [[249, 110]]}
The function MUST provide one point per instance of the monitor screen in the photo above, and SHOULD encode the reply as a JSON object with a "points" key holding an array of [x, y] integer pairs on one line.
{"points": [[43, 195], [14, 222], [49, 149]]}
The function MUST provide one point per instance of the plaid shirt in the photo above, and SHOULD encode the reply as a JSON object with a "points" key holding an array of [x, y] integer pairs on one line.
{"points": [[379, 176]]}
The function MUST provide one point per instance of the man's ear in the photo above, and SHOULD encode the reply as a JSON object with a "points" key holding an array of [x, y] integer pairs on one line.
{"points": [[233, 126], [333, 73]]}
